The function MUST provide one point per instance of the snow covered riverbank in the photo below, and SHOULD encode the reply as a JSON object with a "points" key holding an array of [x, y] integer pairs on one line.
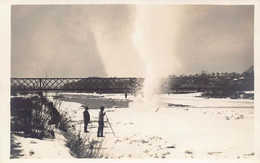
{"points": [[189, 127], [32, 148]]}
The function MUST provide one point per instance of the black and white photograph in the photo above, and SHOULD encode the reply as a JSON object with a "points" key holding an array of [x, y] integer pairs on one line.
{"points": [[132, 81]]}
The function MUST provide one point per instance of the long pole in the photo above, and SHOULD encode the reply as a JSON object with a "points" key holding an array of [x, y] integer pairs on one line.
{"points": [[110, 125]]}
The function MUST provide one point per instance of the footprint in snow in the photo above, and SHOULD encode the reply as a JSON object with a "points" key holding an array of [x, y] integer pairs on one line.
{"points": [[250, 154], [188, 152], [173, 146], [211, 153], [33, 142], [31, 152]]}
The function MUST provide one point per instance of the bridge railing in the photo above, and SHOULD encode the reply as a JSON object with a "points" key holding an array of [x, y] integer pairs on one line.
{"points": [[84, 84]]}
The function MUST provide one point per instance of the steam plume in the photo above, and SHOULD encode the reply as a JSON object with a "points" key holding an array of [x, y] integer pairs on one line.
{"points": [[154, 37]]}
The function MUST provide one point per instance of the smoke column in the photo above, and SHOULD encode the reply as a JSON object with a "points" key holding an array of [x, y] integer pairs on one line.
{"points": [[154, 36]]}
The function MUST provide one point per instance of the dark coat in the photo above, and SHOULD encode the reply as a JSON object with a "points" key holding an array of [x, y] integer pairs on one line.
{"points": [[55, 115], [86, 116], [101, 116]]}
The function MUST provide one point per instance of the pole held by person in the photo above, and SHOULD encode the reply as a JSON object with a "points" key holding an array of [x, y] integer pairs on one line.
{"points": [[110, 126]]}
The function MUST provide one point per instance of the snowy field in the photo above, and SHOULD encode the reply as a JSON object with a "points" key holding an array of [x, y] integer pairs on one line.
{"points": [[184, 126]]}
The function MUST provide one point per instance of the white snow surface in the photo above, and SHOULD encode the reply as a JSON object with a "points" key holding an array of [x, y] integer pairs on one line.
{"points": [[193, 127], [32, 148], [183, 126]]}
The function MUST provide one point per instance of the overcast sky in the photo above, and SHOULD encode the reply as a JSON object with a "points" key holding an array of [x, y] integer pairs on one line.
{"points": [[100, 40]]}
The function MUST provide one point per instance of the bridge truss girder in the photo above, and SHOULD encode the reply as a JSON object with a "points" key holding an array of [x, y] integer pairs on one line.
{"points": [[77, 84]]}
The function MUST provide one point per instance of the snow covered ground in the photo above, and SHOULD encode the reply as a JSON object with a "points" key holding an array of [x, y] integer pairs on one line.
{"points": [[32, 148], [184, 126]]}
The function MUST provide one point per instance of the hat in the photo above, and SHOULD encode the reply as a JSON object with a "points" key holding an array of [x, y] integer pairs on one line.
{"points": [[84, 106]]}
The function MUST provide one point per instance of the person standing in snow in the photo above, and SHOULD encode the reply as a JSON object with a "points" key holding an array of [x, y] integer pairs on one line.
{"points": [[86, 119], [55, 115], [101, 122]]}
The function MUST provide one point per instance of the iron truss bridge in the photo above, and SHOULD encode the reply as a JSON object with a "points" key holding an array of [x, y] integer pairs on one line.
{"points": [[77, 84]]}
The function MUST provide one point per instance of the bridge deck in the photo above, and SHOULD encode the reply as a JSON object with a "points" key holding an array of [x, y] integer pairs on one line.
{"points": [[84, 84]]}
